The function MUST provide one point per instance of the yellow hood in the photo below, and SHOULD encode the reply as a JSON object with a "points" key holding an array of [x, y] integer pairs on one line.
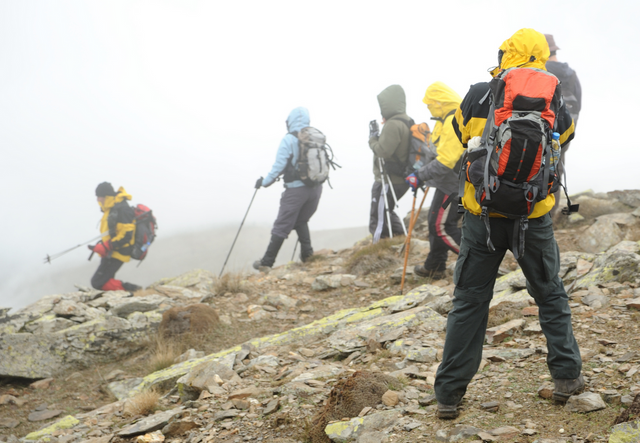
{"points": [[110, 200], [524, 45], [441, 99]]}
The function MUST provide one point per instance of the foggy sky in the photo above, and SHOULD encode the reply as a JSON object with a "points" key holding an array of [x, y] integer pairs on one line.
{"points": [[184, 102]]}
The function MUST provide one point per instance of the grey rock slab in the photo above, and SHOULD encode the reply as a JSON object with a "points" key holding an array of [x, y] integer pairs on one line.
{"points": [[204, 376], [625, 432], [596, 301], [508, 295], [586, 402], [442, 305], [43, 415], [126, 306], [353, 338], [221, 415], [499, 333], [8, 422], [422, 354], [323, 371], [373, 436], [265, 360], [506, 354], [48, 324], [120, 389], [334, 281], [620, 263], [418, 296], [463, 432], [621, 218], [150, 423], [345, 431], [271, 407], [514, 280], [280, 301]]}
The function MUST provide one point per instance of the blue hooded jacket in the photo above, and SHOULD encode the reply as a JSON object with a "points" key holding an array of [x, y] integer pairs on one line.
{"points": [[298, 119]]}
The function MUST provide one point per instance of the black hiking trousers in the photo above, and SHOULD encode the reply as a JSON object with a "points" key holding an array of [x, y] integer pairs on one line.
{"points": [[105, 272], [474, 277]]}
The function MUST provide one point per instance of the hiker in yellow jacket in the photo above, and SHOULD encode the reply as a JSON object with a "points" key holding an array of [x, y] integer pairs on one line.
{"points": [[477, 264], [118, 228], [442, 174]]}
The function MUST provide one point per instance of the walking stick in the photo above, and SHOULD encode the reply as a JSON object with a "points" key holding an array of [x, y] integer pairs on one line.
{"points": [[48, 258], [408, 240], [386, 202], [294, 250], [395, 199], [424, 197], [239, 229]]}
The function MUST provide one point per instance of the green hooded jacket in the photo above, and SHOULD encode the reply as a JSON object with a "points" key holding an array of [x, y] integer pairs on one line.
{"points": [[395, 138]]}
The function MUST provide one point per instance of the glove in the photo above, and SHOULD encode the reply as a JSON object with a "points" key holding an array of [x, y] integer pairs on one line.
{"points": [[413, 181], [374, 129], [474, 143], [259, 183], [101, 248]]}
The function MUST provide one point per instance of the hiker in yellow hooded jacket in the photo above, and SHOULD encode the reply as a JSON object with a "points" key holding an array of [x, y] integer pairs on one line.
{"points": [[477, 264], [118, 237], [442, 174]]}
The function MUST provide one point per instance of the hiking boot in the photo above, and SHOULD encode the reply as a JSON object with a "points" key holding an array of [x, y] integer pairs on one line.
{"points": [[304, 237], [258, 266], [566, 387], [420, 271], [130, 287], [447, 412]]}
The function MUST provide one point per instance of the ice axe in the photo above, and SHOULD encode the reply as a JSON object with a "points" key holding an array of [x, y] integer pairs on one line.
{"points": [[412, 222]]}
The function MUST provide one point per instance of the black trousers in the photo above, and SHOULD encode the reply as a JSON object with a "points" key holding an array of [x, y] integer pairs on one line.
{"points": [[444, 234], [475, 276], [105, 272]]}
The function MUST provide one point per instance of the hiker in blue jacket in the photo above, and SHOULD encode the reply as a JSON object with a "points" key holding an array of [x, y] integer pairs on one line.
{"points": [[298, 202]]}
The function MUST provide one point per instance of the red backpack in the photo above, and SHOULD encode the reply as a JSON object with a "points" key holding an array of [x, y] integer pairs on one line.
{"points": [[146, 226], [514, 167]]}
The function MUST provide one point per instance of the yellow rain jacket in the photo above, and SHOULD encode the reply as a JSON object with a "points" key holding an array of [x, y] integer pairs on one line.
{"points": [[442, 173], [526, 48], [118, 221]]}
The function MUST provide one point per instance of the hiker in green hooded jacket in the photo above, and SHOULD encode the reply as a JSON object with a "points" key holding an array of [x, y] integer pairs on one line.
{"points": [[392, 145]]}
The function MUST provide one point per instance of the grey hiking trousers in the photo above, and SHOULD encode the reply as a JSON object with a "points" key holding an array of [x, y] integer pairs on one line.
{"points": [[297, 205], [475, 276]]}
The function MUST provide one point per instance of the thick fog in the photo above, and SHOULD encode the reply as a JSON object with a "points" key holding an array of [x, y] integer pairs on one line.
{"points": [[184, 104]]}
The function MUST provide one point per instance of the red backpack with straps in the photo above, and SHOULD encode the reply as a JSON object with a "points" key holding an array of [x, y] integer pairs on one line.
{"points": [[514, 167]]}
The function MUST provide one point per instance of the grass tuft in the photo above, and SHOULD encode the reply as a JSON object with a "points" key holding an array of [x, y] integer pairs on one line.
{"points": [[374, 257], [143, 403], [233, 282]]}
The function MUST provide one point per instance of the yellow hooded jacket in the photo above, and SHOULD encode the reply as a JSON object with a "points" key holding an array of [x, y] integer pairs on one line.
{"points": [[526, 48], [442, 172], [118, 220]]}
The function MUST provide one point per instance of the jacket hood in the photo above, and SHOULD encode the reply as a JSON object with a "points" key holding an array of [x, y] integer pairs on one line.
{"points": [[564, 68], [110, 201], [298, 119], [527, 48], [441, 99], [392, 101]]}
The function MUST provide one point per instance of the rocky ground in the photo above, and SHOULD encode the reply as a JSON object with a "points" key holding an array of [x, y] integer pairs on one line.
{"points": [[288, 356]]}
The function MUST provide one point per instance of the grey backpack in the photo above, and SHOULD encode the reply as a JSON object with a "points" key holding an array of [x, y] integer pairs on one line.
{"points": [[314, 160]]}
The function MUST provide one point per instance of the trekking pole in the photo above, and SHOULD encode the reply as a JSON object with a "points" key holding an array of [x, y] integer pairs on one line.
{"points": [[294, 250], [239, 229], [386, 202], [48, 258], [412, 221], [395, 200]]}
